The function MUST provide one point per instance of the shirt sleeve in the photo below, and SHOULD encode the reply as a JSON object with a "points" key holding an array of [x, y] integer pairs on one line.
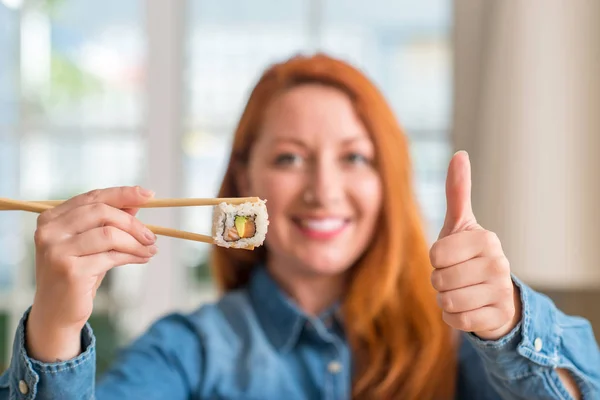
{"points": [[523, 364], [164, 362], [27, 378]]}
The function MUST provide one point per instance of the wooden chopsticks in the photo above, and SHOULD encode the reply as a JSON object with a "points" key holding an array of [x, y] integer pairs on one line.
{"points": [[41, 206], [8, 204]]}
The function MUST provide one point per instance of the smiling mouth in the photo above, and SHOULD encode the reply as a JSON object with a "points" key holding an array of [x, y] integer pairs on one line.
{"points": [[321, 228]]}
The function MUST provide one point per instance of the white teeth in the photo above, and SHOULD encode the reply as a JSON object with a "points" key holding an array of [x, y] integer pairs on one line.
{"points": [[323, 225]]}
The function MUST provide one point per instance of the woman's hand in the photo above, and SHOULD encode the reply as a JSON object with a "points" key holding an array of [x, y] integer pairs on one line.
{"points": [[472, 275], [76, 243]]}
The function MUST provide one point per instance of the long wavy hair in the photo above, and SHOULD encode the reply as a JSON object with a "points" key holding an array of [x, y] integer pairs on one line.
{"points": [[401, 347]]}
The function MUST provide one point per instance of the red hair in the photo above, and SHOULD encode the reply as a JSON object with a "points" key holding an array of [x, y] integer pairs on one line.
{"points": [[401, 346]]}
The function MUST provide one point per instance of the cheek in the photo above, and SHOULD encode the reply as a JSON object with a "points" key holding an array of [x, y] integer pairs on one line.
{"points": [[278, 188], [367, 194], [281, 191]]}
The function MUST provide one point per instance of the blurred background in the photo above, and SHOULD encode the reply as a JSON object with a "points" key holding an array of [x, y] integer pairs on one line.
{"points": [[125, 92]]}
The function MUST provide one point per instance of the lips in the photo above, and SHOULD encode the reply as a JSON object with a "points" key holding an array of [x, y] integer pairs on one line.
{"points": [[321, 228], [322, 225]]}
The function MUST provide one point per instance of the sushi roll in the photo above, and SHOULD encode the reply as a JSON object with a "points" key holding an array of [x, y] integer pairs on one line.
{"points": [[242, 226]]}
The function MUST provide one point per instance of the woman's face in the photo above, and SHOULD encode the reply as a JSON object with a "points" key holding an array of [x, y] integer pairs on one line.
{"points": [[314, 163]]}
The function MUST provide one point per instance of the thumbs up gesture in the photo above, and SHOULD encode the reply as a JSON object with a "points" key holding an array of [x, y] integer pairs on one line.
{"points": [[471, 273]]}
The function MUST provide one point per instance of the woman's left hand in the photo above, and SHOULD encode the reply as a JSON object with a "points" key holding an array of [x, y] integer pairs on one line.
{"points": [[472, 274]]}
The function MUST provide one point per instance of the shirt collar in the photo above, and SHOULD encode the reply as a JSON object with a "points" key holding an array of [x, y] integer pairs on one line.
{"points": [[279, 316]]}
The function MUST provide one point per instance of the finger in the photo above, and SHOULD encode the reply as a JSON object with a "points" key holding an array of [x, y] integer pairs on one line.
{"points": [[468, 298], [472, 272], [483, 319], [459, 212], [464, 246], [89, 216], [103, 239], [98, 264], [131, 211], [118, 197]]}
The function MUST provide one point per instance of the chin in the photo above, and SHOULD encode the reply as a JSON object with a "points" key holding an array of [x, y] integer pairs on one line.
{"points": [[325, 264], [311, 256]]}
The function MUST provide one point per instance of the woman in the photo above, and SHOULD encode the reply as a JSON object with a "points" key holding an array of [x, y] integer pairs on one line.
{"points": [[340, 303]]}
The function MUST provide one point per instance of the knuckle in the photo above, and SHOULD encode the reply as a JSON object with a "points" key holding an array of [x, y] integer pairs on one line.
{"points": [[112, 255], [437, 280], [93, 195], [490, 239], [100, 210], [40, 237], [107, 233], [132, 223], [43, 218], [465, 322], [434, 254], [127, 192], [500, 266], [446, 302], [492, 243]]}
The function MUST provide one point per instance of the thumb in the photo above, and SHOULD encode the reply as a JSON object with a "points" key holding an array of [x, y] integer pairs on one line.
{"points": [[459, 212]]}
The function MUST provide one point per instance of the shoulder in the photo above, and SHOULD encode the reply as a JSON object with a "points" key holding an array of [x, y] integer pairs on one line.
{"points": [[231, 310], [228, 312], [228, 320]]}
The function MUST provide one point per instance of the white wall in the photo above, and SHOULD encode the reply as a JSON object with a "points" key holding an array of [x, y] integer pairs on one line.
{"points": [[527, 107]]}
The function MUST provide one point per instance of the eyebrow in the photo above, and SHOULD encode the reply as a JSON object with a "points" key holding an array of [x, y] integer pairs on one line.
{"points": [[355, 139], [299, 142], [288, 140]]}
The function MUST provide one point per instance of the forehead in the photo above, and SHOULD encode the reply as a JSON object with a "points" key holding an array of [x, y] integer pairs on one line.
{"points": [[312, 111]]}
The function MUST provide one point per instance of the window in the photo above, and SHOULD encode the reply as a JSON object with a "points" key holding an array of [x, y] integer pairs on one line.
{"points": [[70, 121], [75, 94], [403, 46], [229, 44]]}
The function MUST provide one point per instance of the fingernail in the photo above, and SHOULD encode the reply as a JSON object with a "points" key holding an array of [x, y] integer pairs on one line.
{"points": [[462, 151], [152, 249], [145, 192], [149, 235]]}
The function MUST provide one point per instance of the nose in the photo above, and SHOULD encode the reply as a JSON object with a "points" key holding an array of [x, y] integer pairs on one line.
{"points": [[326, 183]]}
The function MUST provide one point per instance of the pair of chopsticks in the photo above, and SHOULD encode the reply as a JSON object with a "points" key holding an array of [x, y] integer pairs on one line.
{"points": [[41, 206]]}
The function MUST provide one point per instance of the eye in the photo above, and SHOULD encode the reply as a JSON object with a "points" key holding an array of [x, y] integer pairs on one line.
{"points": [[288, 159], [357, 158]]}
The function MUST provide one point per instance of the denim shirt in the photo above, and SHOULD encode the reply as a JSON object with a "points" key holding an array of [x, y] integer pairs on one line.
{"points": [[255, 343]]}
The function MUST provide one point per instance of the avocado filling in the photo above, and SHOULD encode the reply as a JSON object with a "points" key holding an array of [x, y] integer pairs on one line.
{"points": [[240, 225], [244, 227]]}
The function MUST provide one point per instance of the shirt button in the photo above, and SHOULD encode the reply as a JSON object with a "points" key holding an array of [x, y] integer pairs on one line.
{"points": [[23, 388], [538, 344], [334, 367]]}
